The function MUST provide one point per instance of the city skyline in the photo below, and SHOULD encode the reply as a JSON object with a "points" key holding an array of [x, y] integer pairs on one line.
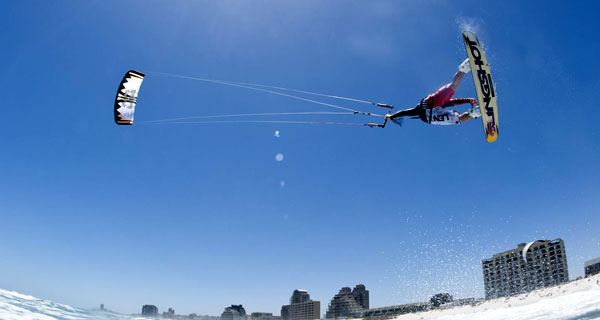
{"points": [[354, 303], [200, 216]]}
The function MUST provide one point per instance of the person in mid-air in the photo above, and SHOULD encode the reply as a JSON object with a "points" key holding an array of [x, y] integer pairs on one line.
{"points": [[435, 108]]}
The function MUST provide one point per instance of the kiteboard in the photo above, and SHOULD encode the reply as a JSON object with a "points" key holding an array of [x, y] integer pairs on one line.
{"points": [[484, 86]]}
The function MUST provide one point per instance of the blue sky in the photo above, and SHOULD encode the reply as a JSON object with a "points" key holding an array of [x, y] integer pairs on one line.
{"points": [[194, 216]]}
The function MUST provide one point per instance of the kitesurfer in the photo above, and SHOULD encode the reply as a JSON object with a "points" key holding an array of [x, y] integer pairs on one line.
{"points": [[435, 108]]}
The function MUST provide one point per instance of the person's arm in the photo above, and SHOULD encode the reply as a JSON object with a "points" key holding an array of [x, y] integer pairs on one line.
{"points": [[465, 117], [413, 112], [459, 101], [470, 115]]}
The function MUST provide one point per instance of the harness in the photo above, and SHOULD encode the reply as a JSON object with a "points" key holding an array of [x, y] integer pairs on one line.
{"points": [[437, 115], [423, 112]]}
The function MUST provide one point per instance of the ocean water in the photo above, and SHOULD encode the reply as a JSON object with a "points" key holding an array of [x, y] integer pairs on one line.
{"points": [[17, 306]]}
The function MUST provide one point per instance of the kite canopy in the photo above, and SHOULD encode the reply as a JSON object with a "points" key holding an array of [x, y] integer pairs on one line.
{"points": [[526, 248], [126, 98]]}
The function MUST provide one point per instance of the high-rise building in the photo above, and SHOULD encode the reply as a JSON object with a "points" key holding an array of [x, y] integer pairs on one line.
{"points": [[349, 303], [361, 295], [149, 310], [592, 267], [285, 312], [301, 307], [538, 264], [299, 296], [235, 312]]}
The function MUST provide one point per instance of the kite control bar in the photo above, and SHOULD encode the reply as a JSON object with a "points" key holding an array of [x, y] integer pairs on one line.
{"points": [[380, 125], [377, 125]]}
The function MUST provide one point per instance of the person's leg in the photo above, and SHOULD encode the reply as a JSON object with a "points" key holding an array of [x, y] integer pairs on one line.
{"points": [[441, 96], [445, 93], [463, 69], [456, 80]]}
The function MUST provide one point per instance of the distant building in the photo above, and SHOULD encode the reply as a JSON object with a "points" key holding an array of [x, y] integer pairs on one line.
{"points": [[438, 301], [285, 312], [349, 303], [195, 316], [235, 312], [102, 306], [394, 311], [592, 267], [263, 316], [361, 295], [169, 314], [299, 296], [149, 311], [460, 302], [538, 264], [301, 307]]}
